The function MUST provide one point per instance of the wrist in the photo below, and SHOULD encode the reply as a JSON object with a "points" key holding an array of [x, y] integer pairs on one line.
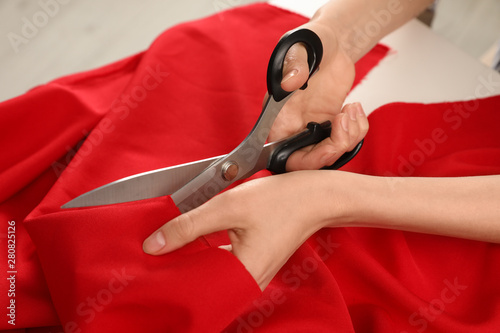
{"points": [[359, 24], [336, 58], [338, 198], [327, 33], [345, 27], [353, 199]]}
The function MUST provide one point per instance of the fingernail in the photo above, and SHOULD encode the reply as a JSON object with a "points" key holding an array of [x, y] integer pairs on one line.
{"points": [[352, 111], [154, 243], [359, 109], [289, 75], [345, 122]]}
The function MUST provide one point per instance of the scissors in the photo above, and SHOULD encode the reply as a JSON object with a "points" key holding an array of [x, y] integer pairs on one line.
{"points": [[192, 184]]}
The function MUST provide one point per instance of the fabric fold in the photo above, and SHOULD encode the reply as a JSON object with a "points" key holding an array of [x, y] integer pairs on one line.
{"points": [[101, 279], [195, 93]]}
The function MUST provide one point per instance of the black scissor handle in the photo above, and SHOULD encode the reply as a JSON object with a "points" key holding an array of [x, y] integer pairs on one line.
{"points": [[314, 133], [314, 49]]}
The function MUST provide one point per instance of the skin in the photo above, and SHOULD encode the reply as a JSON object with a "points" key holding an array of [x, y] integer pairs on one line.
{"points": [[269, 218]]}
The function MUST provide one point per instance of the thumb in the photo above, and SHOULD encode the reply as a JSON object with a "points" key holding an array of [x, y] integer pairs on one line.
{"points": [[183, 230], [295, 68]]}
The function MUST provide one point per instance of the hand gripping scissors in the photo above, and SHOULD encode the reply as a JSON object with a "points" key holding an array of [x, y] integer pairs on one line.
{"points": [[192, 184]]}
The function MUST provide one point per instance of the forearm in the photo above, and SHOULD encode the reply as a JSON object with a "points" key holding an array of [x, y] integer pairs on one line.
{"points": [[465, 207], [360, 24]]}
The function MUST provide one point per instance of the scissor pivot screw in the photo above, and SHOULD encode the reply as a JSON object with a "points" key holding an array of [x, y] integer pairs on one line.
{"points": [[230, 170]]}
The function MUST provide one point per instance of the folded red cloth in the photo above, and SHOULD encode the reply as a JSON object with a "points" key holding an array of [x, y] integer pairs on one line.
{"points": [[196, 93], [397, 281]]}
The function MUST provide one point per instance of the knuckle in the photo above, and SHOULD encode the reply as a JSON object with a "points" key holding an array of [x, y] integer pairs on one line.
{"points": [[344, 145], [341, 142], [290, 57], [184, 227], [354, 132], [296, 55]]}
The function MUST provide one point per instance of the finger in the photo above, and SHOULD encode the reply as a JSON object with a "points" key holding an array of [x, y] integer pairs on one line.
{"points": [[350, 121], [186, 228], [313, 158], [348, 128], [358, 126], [295, 68], [364, 124]]}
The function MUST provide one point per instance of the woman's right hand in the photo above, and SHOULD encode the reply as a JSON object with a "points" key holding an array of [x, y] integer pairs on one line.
{"points": [[322, 100]]}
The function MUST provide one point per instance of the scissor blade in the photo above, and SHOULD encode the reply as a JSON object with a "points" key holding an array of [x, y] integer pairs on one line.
{"points": [[152, 184], [145, 185]]}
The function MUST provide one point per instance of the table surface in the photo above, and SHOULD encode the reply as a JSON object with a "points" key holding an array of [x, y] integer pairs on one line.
{"points": [[422, 67]]}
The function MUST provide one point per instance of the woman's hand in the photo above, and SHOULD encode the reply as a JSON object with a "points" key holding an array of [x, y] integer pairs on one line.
{"points": [[267, 220], [322, 100]]}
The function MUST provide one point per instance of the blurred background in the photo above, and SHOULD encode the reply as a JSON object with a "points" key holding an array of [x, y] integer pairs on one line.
{"points": [[45, 39], [83, 34]]}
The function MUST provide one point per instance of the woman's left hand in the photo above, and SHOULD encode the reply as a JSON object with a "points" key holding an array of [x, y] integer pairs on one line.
{"points": [[267, 220]]}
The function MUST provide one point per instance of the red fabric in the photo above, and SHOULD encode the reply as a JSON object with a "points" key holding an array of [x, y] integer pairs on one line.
{"points": [[397, 281], [207, 98], [194, 94], [40, 128]]}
